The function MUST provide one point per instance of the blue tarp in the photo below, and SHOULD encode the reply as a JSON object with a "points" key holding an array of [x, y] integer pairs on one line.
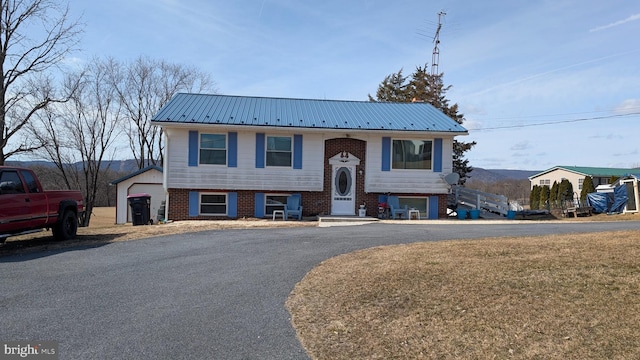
{"points": [[600, 201], [613, 202], [620, 199]]}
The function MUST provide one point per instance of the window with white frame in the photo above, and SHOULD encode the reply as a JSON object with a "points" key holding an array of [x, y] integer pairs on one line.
{"points": [[279, 151], [213, 204], [274, 202], [213, 149], [419, 203], [580, 182], [545, 182], [412, 154]]}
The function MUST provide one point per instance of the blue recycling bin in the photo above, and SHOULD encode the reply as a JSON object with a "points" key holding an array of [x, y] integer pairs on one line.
{"points": [[462, 214]]}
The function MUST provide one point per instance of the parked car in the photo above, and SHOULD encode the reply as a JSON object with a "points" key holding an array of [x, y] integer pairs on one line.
{"points": [[25, 207]]}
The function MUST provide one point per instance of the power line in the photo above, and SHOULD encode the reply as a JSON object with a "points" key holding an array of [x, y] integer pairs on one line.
{"points": [[556, 122]]}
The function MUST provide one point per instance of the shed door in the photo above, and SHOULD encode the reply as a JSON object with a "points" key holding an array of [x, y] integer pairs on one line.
{"points": [[157, 196]]}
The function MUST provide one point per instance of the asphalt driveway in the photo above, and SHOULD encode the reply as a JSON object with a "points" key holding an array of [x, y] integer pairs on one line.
{"points": [[208, 295]]}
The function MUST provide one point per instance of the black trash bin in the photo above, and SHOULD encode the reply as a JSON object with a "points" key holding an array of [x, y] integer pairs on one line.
{"points": [[140, 208]]}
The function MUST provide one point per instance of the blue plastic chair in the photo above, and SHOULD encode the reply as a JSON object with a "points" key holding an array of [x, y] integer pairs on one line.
{"points": [[293, 207], [394, 207]]}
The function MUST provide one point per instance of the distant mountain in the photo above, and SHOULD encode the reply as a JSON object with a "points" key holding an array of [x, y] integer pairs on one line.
{"points": [[125, 166], [495, 175]]}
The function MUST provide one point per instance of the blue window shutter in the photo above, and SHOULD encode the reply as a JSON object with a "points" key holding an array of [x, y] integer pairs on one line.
{"points": [[232, 151], [194, 203], [232, 204], [193, 148], [297, 151], [433, 207], [260, 150], [437, 155], [386, 154], [259, 205]]}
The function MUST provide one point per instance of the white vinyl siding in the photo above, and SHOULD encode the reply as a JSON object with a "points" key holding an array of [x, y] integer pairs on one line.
{"points": [[245, 176]]}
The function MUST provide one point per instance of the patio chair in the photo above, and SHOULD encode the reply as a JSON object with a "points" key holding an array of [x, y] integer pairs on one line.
{"points": [[293, 207], [394, 207]]}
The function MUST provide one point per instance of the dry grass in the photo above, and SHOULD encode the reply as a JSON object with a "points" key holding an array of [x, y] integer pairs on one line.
{"points": [[552, 297]]}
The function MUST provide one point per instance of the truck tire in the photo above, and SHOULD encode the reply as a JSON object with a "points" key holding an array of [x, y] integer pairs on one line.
{"points": [[67, 227]]}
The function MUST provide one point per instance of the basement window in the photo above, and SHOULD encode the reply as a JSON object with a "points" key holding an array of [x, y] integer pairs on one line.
{"points": [[274, 202], [419, 203], [213, 204]]}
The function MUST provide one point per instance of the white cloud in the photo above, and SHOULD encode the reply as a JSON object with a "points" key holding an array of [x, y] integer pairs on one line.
{"points": [[523, 145], [631, 18], [629, 106], [472, 124]]}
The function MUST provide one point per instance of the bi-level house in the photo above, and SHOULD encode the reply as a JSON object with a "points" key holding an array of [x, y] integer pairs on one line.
{"points": [[238, 156]]}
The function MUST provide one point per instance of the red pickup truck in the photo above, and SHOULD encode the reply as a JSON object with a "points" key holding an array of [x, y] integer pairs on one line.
{"points": [[25, 207]]}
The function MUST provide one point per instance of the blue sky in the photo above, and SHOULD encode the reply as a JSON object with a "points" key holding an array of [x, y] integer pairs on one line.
{"points": [[513, 64]]}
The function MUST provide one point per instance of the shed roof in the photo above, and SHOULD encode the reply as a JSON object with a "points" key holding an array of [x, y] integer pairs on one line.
{"points": [[303, 113], [136, 173], [591, 171]]}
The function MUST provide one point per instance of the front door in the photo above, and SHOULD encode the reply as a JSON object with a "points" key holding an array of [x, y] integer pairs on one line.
{"points": [[343, 184], [343, 194]]}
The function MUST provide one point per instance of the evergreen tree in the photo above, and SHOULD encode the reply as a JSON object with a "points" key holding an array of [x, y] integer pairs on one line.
{"points": [[545, 192], [392, 89], [565, 192], [553, 196], [534, 198], [422, 86], [587, 188]]}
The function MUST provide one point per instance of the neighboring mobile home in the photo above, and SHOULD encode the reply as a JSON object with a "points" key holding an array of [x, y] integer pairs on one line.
{"points": [[237, 156], [576, 175]]}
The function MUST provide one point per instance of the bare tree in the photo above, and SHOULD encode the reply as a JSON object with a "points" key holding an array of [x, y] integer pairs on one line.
{"points": [[35, 35], [78, 136], [143, 88]]}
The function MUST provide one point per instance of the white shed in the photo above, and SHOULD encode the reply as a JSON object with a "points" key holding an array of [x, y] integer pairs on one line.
{"points": [[147, 180]]}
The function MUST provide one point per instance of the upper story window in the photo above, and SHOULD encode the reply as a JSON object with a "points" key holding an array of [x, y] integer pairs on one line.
{"points": [[279, 151], [412, 154], [213, 149], [545, 182]]}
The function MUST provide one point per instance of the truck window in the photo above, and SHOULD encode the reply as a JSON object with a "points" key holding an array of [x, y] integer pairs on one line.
{"points": [[10, 183], [32, 185]]}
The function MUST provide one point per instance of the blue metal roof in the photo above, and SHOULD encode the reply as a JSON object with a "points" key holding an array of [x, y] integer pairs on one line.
{"points": [[302, 113]]}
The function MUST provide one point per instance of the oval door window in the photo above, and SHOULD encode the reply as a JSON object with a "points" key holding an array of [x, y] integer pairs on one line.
{"points": [[343, 181]]}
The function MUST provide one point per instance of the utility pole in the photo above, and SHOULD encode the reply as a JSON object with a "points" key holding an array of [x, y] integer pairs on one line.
{"points": [[435, 57]]}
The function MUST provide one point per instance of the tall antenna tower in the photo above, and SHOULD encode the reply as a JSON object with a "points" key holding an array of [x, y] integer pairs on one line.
{"points": [[435, 57]]}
